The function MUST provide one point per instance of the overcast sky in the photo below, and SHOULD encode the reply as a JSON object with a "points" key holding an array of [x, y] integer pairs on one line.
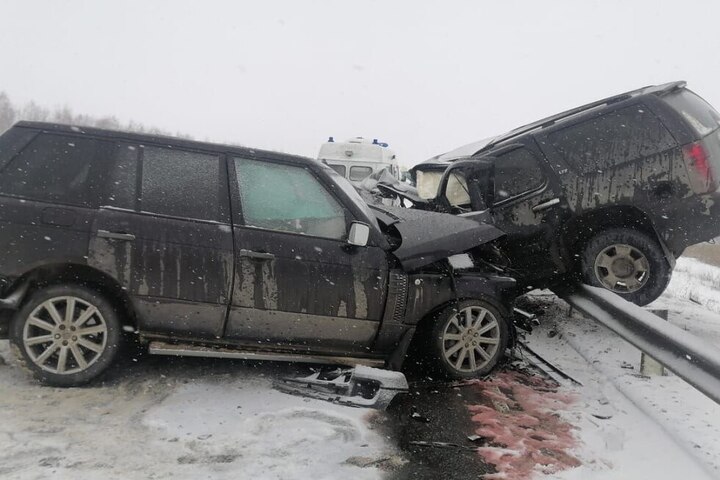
{"points": [[424, 76]]}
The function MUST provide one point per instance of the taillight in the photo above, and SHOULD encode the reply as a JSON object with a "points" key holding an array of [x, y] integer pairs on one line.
{"points": [[699, 169]]}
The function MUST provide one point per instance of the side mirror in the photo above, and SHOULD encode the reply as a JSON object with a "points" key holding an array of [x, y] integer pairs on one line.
{"points": [[359, 234]]}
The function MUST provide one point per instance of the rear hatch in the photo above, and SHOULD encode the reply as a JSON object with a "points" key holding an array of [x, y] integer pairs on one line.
{"points": [[702, 157]]}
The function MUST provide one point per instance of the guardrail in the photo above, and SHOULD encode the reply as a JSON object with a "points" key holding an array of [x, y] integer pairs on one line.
{"points": [[689, 357]]}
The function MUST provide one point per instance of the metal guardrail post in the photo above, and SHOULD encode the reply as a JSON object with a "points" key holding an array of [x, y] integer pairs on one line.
{"points": [[648, 365], [689, 357]]}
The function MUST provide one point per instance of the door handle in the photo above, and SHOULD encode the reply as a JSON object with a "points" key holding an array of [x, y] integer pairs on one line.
{"points": [[545, 205], [258, 255], [128, 237]]}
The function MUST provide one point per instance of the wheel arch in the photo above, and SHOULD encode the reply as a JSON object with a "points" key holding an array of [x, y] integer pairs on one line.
{"points": [[583, 228], [72, 273], [425, 323]]}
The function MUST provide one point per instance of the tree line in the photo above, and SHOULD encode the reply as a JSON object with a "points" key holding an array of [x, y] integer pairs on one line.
{"points": [[31, 111]]}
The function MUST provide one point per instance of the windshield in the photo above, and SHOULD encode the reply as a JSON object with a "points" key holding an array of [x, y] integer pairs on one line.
{"points": [[428, 182]]}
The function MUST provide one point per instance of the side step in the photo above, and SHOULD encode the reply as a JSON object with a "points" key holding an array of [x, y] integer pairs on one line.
{"points": [[189, 350]]}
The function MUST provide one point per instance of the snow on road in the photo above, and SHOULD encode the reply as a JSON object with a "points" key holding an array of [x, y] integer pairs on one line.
{"points": [[192, 418], [182, 419], [633, 426]]}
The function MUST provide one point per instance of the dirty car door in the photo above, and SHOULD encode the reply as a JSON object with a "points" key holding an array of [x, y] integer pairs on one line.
{"points": [[297, 280], [528, 206], [163, 233]]}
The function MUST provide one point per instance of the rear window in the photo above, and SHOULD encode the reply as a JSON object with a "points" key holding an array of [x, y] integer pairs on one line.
{"points": [[697, 112], [612, 139], [53, 168], [359, 173]]}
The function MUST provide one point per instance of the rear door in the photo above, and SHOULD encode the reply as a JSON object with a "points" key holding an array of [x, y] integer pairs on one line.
{"points": [[163, 231], [298, 282]]}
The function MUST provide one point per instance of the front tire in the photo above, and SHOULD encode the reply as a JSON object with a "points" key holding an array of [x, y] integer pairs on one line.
{"points": [[628, 263], [468, 340], [66, 335]]}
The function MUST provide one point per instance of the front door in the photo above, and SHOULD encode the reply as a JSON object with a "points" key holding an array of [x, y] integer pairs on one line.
{"points": [[298, 283], [528, 207]]}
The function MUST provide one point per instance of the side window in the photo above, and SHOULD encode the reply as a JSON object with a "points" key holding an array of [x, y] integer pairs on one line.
{"points": [[121, 177], [359, 173], [516, 172], [180, 184], [53, 168], [287, 198], [612, 139]]}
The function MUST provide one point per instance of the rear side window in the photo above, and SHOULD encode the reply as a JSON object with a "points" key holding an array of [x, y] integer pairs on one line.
{"points": [[516, 172], [287, 198], [180, 183], [359, 173], [618, 137], [53, 168], [701, 116]]}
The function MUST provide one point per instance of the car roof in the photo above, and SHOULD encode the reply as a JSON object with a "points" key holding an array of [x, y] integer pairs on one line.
{"points": [[559, 117], [489, 144], [163, 140]]}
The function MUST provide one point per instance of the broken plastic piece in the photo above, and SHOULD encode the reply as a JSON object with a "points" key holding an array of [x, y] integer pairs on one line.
{"points": [[360, 386], [525, 320]]}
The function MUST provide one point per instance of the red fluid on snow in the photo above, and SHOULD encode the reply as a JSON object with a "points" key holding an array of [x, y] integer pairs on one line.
{"points": [[524, 431]]}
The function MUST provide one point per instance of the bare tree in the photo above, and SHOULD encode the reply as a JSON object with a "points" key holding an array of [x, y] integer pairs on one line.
{"points": [[31, 111]]}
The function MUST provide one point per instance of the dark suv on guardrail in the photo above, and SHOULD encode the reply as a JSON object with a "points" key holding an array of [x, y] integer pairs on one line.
{"points": [[614, 190], [212, 250]]}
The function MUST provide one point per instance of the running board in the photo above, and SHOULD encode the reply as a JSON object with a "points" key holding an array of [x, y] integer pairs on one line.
{"points": [[188, 350]]}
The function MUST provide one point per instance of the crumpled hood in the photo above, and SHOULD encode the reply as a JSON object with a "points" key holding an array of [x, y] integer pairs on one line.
{"points": [[429, 236]]}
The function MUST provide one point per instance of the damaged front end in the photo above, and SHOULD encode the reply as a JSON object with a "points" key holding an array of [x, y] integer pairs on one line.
{"points": [[420, 238]]}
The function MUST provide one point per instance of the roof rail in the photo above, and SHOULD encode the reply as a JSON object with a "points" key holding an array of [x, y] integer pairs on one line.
{"points": [[546, 122]]}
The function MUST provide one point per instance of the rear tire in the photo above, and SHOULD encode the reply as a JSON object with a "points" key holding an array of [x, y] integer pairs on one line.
{"points": [[627, 262], [467, 340], [66, 335]]}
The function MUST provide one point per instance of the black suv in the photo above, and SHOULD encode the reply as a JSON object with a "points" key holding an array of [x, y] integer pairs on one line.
{"points": [[613, 191], [212, 250]]}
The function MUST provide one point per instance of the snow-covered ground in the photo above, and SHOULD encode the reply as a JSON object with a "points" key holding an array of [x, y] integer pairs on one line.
{"points": [[181, 419], [629, 425]]}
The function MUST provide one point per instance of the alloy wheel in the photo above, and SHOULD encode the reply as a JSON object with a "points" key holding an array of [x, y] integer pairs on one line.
{"points": [[65, 335], [622, 268], [471, 339]]}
